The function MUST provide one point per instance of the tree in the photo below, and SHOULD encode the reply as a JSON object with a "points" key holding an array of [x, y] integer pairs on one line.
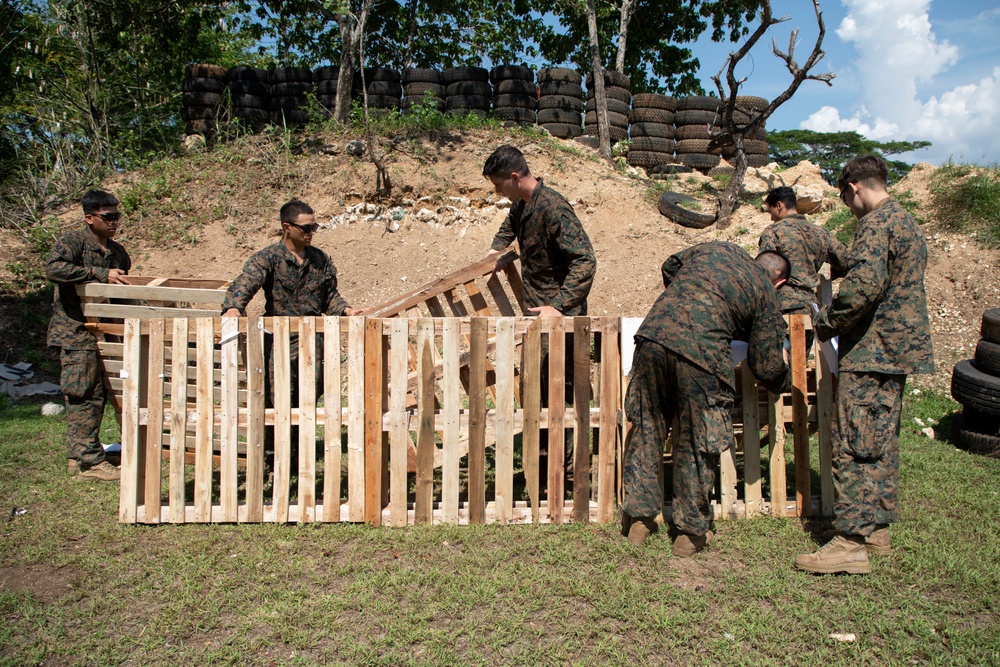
{"points": [[830, 150]]}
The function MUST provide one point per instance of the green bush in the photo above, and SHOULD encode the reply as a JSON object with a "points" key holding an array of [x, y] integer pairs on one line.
{"points": [[968, 199]]}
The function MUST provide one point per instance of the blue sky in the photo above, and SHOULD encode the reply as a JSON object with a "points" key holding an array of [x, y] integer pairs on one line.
{"points": [[905, 70]]}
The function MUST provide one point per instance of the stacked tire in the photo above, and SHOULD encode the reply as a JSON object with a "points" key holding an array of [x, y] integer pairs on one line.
{"points": [[325, 82], [651, 128], [383, 87], [467, 90], [250, 97], [289, 88], [975, 383], [755, 146], [201, 98], [617, 90], [514, 94], [695, 125], [560, 101], [422, 85]]}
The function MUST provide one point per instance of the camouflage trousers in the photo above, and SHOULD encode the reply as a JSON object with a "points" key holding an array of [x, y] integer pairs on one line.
{"points": [[83, 388], [866, 451], [665, 387]]}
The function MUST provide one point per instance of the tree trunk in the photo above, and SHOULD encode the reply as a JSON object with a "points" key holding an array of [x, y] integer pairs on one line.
{"points": [[727, 200], [603, 129], [348, 56], [628, 7], [411, 33]]}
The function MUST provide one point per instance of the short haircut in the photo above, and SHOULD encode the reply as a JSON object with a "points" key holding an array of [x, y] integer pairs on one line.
{"points": [[776, 264], [783, 194], [94, 200], [291, 211], [870, 170], [504, 161]]}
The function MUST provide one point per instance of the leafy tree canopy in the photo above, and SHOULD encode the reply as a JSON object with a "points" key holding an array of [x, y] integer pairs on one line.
{"points": [[830, 150]]}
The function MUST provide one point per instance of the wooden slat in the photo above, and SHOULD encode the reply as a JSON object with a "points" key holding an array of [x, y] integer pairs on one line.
{"points": [[451, 340], [531, 362], [477, 420], [128, 500], [255, 422], [203, 425], [425, 409], [332, 401], [556, 428], [282, 386], [825, 415], [500, 297], [504, 429], [229, 433], [154, 430], [307, 420], [356, 419], [610, 404], [581, 398], [477, 299], [727, 479], [776, 454], [800, 431], [122, 311], [399, 436], [751, 442], [178, 419], [516, 286], [153, 293], [373, 422]]}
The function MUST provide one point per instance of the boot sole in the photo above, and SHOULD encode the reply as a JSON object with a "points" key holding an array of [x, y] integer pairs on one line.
{"points": [[849, 568], [878, 550]]}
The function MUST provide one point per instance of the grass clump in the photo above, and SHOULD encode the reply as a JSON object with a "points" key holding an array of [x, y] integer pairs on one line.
{"points": [[843, 224], [969, 199]]}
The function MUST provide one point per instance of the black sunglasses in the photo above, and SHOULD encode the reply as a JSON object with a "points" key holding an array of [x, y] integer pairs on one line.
{"points": [[108, 217], [307, 229]]}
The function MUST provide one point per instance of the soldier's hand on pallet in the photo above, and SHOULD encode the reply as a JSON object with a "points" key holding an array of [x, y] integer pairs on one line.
{"points": [[351, 312], [546, 311], [117, 277], [232, 312], [499, 263]]}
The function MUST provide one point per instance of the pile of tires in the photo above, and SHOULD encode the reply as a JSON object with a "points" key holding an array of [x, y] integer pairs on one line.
{"points": [[514, 94], [975, 383], [383, 88], [617, 90], [289, 87], [695, 124], [422, 85], [755, 146], [651, 128], [467, 90], [560, 101], [325, 82], [201, 98], [250, 97]]}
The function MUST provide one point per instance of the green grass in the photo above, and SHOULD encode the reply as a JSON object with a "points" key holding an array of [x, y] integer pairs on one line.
{"points": [[843, 223], [80, 588], [969, 199]]}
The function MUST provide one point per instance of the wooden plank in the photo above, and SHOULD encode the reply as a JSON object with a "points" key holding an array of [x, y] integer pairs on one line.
{"points": [[399, 436], [727, 479], [455, 304], [610, 405], [751, 443], [477, 420], [154, 430], [203, 425], [500, 296], [581, 398], [800, 431], [122, 311], [152, 293], [504, 427], [229, 433], [451, 340], [531, 363], [255, 422], [332, 426], [425, 409], [477, 299], [307, 420], [776, 454], [516, 286], [128, 500], [178, 419], [825, 414], [282, 385], [356, 419], [556, 428], [373, 422]]}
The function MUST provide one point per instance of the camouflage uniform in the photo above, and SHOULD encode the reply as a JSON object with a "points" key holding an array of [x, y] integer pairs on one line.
{"points": [[714, 293], [78, 258], [880, 314]]}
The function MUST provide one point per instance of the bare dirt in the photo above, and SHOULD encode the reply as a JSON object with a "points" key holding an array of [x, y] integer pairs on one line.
{"points": [[443, 215]]}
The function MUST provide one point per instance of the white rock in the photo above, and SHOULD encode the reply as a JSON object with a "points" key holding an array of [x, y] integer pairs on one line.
{"points": [[425, 215], [929, 432], [842, 636], [51, 409]]}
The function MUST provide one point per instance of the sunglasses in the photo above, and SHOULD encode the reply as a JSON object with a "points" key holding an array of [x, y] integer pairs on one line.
{"points": [[306, 229], [108, 217]]}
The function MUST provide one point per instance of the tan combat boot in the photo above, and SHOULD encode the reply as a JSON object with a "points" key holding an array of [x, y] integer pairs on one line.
{"points": [[878, 542], [686, 545], [841, 554], [72, 466], [640, 529], [103, 471]]}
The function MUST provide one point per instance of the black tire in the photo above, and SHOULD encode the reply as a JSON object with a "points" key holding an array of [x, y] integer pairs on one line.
{"points": [[974, 441], [203, 85], [291, 89], [206, 71], [653, 144], [421, 75], [383, 102], [289, 74], [420, 87], [481, 102], [654, 101], [523, 101], [287, 103], [244, 73], [990, 329], [644, 115], [616, 106], [980, 422], [611, 78], [373, 74], [254, 101], [256, 88], [469, 88], [546, 116], [460, 112], [751, 103], [670, 206], [695, 146], [698, 160], [614, 93], [617, 133], [201, 126], [251, 114], [514, 87], [667, 169], [661, 130], [754, 147], [563, 130], [200, 99], [696, 117], [975, 389], [704, 132], [456, 74], [699, 103], [327, 87], [615, 119], [758, 160], [559, 75], [289, 117], [588, 141], [410, 101], [197, 113], [988, 358], [386, 88], [560, 88], [648, 158], [328, 101], [564, 102], [721, 170], [516, 114], [511, 73], [326, 73]]}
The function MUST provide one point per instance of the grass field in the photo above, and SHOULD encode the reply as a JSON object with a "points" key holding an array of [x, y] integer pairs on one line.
{"points": [[78, 588]]}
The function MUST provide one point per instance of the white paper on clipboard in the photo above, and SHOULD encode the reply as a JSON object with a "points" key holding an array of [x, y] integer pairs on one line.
{"points": [[830, 350]]}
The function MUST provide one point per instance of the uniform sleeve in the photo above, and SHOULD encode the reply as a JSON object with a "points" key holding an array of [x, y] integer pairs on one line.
{"points": [[862, 287], [671, 267], [335, 303], [505, 235], [574, 243], [65, 265], [837, 256], [247, 284], [765, 347], [768, 241]]}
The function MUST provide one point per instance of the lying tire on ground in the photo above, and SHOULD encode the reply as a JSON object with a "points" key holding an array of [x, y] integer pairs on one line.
{"points": [[975, 389], [980, 422], [990, 330], [987, 357], [670, 206], [974, 441]]}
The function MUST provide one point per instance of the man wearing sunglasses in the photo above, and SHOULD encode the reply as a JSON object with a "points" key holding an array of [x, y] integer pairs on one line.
{"points": [[85, 255]]}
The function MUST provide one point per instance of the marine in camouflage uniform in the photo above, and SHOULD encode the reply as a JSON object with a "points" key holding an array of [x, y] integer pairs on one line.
{"points": [[79, 258], [807, 247], [713, 293]]}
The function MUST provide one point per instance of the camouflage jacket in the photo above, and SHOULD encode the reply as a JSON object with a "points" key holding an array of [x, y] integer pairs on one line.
{"points": [[716, 293], [807, 247], [880, 312], [290, 288], [557, 260], [78, 258]]}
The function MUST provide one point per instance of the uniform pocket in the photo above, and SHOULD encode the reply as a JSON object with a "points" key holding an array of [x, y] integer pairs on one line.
{"points": [[716, 423], [859, 434], [79, 373]]}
